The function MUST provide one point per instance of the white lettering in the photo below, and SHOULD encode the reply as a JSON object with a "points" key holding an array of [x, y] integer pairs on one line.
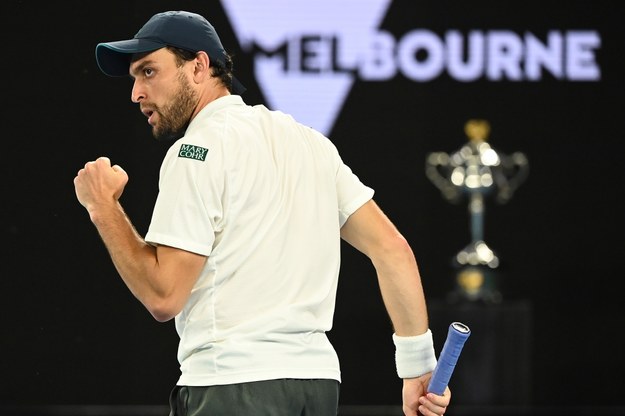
{"points": [[580, 57], [422, 55], [473, 67], [378, 63], [413, 43], [539, 56], [505, 51]]}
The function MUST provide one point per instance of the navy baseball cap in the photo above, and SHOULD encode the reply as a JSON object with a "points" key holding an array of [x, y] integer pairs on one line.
{"points": [[180, 29]]}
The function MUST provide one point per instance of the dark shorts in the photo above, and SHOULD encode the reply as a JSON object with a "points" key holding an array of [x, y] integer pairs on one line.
{"points": [[284, 397]]}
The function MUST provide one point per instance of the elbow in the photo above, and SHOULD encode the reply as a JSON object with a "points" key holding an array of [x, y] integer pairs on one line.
{"points": [[393, 250], [162, 316], [163, 310], [399, 244], [396, 243]]}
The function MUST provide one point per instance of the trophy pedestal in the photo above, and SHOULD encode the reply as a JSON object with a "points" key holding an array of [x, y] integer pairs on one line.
{"points": [[475, 284], [476, 278], [495, 366]]}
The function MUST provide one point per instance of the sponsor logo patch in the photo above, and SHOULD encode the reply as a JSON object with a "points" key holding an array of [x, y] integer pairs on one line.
{"points": [[192, 152]]}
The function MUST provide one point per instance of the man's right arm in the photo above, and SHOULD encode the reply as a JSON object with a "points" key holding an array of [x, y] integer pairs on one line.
{"points": [[161, 277]]}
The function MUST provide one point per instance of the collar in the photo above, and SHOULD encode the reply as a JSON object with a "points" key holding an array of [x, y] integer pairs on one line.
{"points": [[213, 107]]}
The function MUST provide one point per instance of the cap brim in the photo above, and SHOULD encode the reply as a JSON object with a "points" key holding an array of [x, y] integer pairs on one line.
{"points": [[113, 58]]}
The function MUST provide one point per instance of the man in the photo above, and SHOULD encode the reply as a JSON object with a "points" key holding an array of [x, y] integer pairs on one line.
{"points": [[243, 249]]}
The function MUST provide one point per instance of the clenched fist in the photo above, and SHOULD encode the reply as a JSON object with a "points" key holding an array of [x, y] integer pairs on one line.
{"points": [[99, 183]]}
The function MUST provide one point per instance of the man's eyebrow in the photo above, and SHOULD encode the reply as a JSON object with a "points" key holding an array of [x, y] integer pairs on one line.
{"points": [[140, 67]]}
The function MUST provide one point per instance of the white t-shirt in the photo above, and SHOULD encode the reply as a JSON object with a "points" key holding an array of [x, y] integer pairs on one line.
{"points": [[264, 198]]}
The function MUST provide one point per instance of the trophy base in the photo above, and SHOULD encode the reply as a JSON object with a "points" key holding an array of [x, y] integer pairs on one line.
{"points": [[475, 284]]}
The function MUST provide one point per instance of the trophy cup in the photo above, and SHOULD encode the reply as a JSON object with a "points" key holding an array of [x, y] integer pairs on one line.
{"points": [[476, 170]]}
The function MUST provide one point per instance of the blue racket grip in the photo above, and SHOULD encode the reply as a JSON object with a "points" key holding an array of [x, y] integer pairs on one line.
{"points": [[456, 337]]}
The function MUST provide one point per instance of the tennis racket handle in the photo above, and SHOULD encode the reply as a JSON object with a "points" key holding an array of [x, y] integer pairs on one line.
{"points": [[456, 337]]}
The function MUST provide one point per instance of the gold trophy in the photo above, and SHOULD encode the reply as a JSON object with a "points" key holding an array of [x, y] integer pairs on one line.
{"points": [[476, 170]]}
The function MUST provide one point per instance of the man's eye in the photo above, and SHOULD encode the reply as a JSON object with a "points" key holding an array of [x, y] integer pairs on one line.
{"points": [[147, 72]]}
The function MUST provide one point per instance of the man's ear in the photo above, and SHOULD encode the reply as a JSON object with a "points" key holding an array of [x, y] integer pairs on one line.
{"points": [[202, 69]]}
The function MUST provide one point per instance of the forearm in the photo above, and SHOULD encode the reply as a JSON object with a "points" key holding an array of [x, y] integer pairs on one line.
{"points": [[404, 299], [401, 288], [134, 259]]}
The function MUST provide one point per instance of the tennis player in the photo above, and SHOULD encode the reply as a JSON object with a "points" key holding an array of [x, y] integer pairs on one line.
{"points": [[243, 249]]}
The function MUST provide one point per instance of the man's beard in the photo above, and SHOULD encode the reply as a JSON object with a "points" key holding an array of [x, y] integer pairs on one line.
{"points": [[175, 117]]}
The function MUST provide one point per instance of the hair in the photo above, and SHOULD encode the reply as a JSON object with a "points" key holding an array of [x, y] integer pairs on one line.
{"points": [[222, 70]]}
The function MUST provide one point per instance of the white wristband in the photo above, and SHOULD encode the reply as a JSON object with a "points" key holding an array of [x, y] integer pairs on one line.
{"points": [[414, 356]]}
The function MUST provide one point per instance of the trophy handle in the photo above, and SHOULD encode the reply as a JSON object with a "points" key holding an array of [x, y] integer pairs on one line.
{"points": [[437, 169], [514, 171]]}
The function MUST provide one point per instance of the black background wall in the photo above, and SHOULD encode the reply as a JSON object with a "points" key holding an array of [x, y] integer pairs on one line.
{"points": [[73, 334]]}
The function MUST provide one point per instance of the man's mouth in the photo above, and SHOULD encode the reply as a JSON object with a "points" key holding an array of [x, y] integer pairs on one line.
{"points": [[149, 114]]}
